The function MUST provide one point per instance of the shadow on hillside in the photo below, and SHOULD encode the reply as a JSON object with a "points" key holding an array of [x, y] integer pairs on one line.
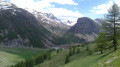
{"points": [[105, 55], [21, 52]]}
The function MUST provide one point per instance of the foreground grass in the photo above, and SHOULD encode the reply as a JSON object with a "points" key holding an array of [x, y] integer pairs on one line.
{"points": [[10, 56], [107, 59], [88, 61]]}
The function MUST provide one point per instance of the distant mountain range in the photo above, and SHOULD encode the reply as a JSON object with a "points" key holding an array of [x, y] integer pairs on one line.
{"points": [[50, 22], [25, 27]]}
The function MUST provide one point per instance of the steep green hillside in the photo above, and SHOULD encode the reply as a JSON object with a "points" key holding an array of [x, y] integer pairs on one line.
{"points": [[68, 38], [22, 26], [58, 59], [10, 55], [108, 59]]}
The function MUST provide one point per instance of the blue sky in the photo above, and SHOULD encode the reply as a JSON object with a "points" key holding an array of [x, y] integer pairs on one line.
{"points": [[68, 9]]}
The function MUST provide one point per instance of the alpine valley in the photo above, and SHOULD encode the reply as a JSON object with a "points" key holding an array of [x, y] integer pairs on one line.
{"points": [[26, 27], [61, 37]]}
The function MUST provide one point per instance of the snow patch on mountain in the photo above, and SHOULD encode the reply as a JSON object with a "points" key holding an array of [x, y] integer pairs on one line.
{"points": [[69, 23], [99, 21], [49, 17], [45, 17], [4, 5]]}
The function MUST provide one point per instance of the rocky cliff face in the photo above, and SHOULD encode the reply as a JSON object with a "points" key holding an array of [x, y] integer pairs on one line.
{"points": [[85, 28]]}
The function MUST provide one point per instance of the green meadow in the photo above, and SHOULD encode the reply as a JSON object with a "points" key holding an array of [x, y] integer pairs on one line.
{"points": [[10, 55]]}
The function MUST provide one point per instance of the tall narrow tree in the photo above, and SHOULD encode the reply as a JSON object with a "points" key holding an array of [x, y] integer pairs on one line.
{"points": [[112, 19], [101, 42]]}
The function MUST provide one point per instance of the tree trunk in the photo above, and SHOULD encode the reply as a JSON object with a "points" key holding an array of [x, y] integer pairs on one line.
{"points": [[115, 41], [115, 44], [101, 52]]}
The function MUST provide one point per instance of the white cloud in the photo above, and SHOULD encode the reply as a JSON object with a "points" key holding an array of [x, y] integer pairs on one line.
{"points": [[118, 2], [102, 9], [39, 6], [63, 13], [62, 1], [46, 6]]}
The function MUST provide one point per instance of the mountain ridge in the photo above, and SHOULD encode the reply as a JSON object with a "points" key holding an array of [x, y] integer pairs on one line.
{"points": [[50, 22]]}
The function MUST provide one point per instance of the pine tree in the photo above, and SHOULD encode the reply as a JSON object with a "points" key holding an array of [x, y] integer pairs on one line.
{"points": [[111, 26], [83, 44], [101, 42], [90, 52], [78, 50], [49, 55], [57, 50], [67, 59], [70, 51], [60, 49], [87, 48], [73, 50]]}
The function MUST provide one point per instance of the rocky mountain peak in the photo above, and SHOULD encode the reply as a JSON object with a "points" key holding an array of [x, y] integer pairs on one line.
{"points": [[69, 23], [51, 16], [6, 5], [85, 28], [44, 17], [84, 25], [99, 21]]}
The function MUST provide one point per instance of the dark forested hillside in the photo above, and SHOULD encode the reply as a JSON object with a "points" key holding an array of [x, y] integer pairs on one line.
{"points": [[18, 27]]}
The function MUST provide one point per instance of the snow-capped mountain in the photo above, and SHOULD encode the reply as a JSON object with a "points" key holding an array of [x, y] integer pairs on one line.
{"points": [[45, 17], [49, 17], [69, 23], [99, 21], [19, 27], [50, 22], [52, 17], [47, 20], [6, 5]]}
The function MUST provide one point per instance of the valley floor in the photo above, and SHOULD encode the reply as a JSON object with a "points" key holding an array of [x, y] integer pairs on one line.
{"points": [[10, 56]]}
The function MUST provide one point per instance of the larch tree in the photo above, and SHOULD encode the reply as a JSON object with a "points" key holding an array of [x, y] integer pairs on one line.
{"points": [[111, 27], [101, 42]]}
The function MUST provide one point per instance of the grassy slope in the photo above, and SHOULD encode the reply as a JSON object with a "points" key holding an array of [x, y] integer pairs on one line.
{"points": [[83, 59], [97, 60], [10, 55], [56, 60]]}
